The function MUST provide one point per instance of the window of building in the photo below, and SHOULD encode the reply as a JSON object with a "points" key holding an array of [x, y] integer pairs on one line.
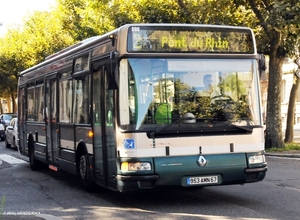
{"points": [[283, 91], [298, 95]]}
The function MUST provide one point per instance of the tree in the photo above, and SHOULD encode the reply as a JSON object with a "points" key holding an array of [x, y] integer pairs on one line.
{"points": [[289, 133], [279, 24], [86, 18], [9, 69], [79, 19], [40, 36]]}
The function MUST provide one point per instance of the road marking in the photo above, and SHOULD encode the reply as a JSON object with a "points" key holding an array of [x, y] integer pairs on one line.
{"points": [[10, 159]]}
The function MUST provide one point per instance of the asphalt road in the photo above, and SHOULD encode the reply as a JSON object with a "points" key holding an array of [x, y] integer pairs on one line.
{"points": [[49, 195]]}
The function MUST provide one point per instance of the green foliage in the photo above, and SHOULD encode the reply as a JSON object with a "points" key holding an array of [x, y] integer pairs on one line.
{"points": [[2, 206], [44, 35], [80, 18], [281, 17], [86, 18], [41, 35], [287, 147], [233, 85]]}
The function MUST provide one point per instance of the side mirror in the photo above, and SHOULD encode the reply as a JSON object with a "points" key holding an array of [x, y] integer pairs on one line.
{"points": [[10, 128], [113, 73]]}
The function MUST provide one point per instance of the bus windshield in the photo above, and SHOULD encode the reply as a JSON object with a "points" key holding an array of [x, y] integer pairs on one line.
{"points": [[194, 93]]}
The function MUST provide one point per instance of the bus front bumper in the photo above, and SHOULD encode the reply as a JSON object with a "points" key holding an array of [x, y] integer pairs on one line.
{"points": [[255, 174], [137, 178]]}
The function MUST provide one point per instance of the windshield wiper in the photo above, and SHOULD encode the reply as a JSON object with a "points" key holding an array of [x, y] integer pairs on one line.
{"points": [[245, 128], [160, 129]]}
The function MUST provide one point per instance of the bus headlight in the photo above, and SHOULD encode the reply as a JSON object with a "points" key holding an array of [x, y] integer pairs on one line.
{"points": [[135, 166], [257, 159]]}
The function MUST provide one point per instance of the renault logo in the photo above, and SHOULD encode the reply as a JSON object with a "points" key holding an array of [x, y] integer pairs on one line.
{"points": [[202, 161]]}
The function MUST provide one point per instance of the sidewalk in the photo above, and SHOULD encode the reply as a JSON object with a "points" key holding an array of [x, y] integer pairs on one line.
{"points": [[291, 154], [29, 217]]}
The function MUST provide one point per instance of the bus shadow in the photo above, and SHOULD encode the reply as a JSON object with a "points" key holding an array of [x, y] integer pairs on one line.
{"points": [[169, 203]]}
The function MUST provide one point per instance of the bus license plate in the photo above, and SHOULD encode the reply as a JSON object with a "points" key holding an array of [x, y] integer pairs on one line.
{"points": [[202, 180]]}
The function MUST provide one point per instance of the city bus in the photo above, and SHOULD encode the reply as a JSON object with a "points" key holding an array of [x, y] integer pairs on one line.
{"points": [[127, 110]]}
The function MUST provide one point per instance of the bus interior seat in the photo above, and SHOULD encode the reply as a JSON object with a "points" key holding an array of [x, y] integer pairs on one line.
{"points": [[163, 114]]}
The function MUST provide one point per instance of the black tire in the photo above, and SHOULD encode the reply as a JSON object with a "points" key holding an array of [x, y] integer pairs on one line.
{"points": [[7, 145], [34, 163], [14, 145], [83, 172]]}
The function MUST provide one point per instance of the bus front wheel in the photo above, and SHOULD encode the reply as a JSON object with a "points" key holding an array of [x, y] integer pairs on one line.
{"points": [[88, 184], [83, 167]]}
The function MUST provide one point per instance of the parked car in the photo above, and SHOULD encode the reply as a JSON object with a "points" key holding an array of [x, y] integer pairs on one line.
{"points": [[2, 132], [5, 118], [12, 135]]}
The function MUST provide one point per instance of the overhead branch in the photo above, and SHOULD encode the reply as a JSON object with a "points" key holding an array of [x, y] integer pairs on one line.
{"points": [[259, 15], [181, 4], [266, 3]]}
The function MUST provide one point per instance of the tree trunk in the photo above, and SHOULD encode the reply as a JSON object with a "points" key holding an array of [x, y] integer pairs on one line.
{"points": [[1, 106], [274, 137], [14, 104], [8, 104], [14, 107], [290, 121]]}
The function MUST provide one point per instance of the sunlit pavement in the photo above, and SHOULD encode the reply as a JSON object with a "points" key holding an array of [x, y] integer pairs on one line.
{"points": [[6, 159], [28, 217]]}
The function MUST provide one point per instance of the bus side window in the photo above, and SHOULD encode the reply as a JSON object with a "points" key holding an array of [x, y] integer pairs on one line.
{"points": [[81, 100], [65, 100], [30, 105]]}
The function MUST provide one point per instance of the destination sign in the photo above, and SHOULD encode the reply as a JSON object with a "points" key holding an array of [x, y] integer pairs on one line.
{"points": [[163, 39]]}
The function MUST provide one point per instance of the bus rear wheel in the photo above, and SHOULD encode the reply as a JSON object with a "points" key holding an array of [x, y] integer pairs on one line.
{"points": [[34, 164]]}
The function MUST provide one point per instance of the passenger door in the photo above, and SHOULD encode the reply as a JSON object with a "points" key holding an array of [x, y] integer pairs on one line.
{"points": [[51, 116], [22, 121], [104, 129]]}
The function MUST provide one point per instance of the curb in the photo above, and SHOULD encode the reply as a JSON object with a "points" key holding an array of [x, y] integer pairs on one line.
{"points": [[30, 217], [283, 155]]}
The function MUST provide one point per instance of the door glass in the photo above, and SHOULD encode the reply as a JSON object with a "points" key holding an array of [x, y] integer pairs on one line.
{"points": [[66, 91], [110, 130], [51, 118], [30, 101], [81, 100], [98, 146]]}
